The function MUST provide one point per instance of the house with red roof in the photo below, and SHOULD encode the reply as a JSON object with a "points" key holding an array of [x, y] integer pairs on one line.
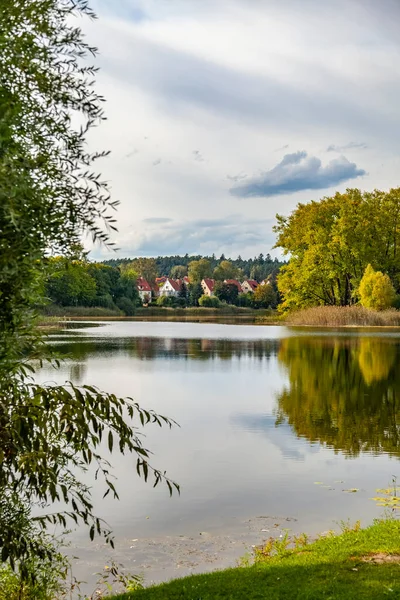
{"points": [[208, 286], [171, 287], [144, 290], [249, 285], [234, 282]]}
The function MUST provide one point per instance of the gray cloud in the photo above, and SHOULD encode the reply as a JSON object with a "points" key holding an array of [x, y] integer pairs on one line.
{"points": [[297, 172], [181, 81], [349, 146], [157, 162]]}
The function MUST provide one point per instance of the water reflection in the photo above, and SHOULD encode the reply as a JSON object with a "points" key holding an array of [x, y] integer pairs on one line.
{"points": [[338, 390], [150, 348], [342, 392]]}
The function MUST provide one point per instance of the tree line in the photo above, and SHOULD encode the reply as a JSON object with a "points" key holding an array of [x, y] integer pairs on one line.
{"points": [[258, 268], [74, 281]]}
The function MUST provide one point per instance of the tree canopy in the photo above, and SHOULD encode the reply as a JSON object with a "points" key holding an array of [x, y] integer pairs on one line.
{"points": [[331, 242]]}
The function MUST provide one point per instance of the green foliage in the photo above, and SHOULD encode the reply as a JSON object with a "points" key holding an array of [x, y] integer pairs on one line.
{"points": [[49, 196], [165, 301], [209, 301], [338, 567], [142, 267], [226, 292], [81, 283], [199, 269], [259, 267], [332, 241], [226, 270], [376, 290], [126, 305], [195, 292], [72, 286], [265, 296], [246, 300], [178, 272]]}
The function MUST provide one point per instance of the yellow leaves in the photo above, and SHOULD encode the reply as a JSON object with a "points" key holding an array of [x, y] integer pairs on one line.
{"points": [[376, 290]]}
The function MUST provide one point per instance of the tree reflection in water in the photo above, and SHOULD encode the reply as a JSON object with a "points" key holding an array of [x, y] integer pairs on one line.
{"points": [[343, 392]]}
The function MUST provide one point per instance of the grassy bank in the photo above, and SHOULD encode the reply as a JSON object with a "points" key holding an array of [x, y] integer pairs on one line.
{"points": [[54, 310], [344, 316], [355, 565]]}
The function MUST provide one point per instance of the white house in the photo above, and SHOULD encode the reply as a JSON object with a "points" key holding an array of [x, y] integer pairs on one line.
{"points": [[249, 285], [171, 288]]}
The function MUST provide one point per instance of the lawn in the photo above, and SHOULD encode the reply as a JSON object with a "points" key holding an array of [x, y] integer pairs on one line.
{"points": [[357, 564]]}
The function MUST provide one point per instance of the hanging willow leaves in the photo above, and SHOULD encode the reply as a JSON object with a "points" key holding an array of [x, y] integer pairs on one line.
{"points": [[50, 195]]}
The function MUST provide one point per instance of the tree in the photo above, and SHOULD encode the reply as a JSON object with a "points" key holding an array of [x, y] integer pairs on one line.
{"points": [[199, 269], [376, 290], [143, 267], [49, 196], [178, 272], [332, 241], [265, 296], [226, 292], [225, 270], [195, 292], [72, 285]]}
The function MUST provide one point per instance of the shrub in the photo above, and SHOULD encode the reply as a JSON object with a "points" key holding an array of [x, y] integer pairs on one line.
{"points": [[105, 301], [165, 301], [376, 290], [209, 302], [126, 305]]}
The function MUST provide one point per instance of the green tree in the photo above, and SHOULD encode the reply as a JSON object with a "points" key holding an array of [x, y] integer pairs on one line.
{"points": [[226, 292], [199, 269], [143, 267], [49, 196], [376, 290], [332, 241], [226, 270], [265, 296], [178, 272], [72, 285], [195, 292]]}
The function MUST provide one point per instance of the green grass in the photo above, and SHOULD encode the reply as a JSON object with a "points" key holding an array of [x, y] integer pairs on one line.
{"points": [[330, 568]]}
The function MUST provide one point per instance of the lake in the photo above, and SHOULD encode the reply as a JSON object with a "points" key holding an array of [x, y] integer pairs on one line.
{"points": [[279, 429]]}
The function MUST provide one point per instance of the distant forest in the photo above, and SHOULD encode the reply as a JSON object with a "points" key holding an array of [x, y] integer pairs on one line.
{"points": [[257, 268]]}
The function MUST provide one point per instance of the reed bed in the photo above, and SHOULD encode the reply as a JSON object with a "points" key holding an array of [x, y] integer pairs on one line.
{"points": [[344, 316]]}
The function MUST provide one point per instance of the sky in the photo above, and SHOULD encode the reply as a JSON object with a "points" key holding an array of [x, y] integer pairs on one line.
{"points": [[221, 115]]}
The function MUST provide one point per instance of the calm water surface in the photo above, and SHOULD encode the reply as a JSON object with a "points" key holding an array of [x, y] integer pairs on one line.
{"points": [[274, 423]]}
